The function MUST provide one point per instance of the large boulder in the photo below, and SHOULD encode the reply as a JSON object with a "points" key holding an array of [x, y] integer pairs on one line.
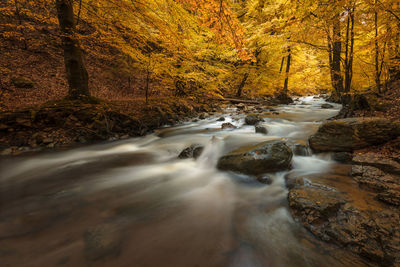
{"points": [[268, 156], [346, 135]]}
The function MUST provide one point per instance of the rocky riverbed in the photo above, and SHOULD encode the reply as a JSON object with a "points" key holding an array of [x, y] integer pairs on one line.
{"points": [[234, 188]]}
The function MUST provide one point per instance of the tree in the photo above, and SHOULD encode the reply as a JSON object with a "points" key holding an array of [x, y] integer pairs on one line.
{"points": [[76, 72]]}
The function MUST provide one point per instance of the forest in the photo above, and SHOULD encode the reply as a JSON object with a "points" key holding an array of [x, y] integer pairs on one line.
{"points": [[145, 130]]}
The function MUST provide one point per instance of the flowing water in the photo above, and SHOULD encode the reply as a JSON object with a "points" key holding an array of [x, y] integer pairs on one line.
{"points": [[134, 203]]}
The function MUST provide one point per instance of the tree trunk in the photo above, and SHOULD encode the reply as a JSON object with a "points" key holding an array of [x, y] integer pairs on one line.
{"points": [[377, 74], [77, 75], [349, 50], [283, 61], [286, 84], [241, 85], [336, 56]]}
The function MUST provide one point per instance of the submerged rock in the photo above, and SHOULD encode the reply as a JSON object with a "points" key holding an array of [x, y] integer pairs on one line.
{"points": [[261, 129], [265, 179], [265, 157], [346, 135], [228, 125], [301, 150], [252, 119], [194, 151], [326, 106]]}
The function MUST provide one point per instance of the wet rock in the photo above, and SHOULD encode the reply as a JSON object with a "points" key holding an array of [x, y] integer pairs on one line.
{"points": [[241, 106], [346, 135], [221, 119], [228, 125], [252, 119], [203, 116], [102, 241], [265, 179], [342, 157], [301, 150], [390, 196], [275, 113], [326, 106], [261, 129], [22, 82], [7, 151], [314, 204], [265, 157], [381, 175], [194, 151], [373, 233]]}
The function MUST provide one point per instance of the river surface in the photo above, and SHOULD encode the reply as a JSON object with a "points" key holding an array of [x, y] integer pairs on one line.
{"points": [[134, 203]]}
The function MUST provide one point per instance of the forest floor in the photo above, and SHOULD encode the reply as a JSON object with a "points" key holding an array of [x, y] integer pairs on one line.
{"points": [[391, 102]]}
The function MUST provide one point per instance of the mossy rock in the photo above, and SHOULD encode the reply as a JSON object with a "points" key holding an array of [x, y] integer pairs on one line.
{"points": [[22, 82]]}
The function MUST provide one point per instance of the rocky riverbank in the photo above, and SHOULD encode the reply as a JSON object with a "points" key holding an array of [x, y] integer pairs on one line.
{"points": [[62, 124], [356, 205]]}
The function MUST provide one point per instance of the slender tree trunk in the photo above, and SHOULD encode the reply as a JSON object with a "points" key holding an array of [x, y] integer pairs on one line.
{"points": [[77, 75], [283, 61], [349, 50], [336, 55], [241, 85], [377, 74], [331, 63], [79, 12], [286, 84]]}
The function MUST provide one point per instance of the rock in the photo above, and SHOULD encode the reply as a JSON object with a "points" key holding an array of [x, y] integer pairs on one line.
{"points": [[314, 204], [228, 125], [102, 241], [23, 122], [326, 106], [342, 157], [283, 98], [203, 116], [300, 150], [252, 119], [241, 106], [391, 196], [261, 129], [268, 156], [7, 151], [346, 135], [371, 232], [265, 179], [194, 151], [221, 119], [47, 140], [379, 174], [275, 113], [22, 82]]}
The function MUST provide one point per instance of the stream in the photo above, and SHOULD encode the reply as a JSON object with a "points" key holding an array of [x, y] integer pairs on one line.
{"points": [[134, 203]]}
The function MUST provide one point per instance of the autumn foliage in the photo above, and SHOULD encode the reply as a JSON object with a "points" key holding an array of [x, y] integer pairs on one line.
{"points": [[202, 48]]}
